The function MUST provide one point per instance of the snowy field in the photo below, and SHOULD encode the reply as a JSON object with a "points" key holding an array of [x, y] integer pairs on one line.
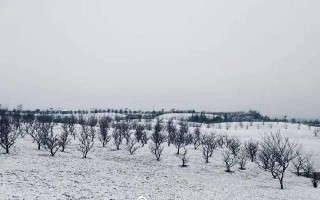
{"points": [[27, 173]]}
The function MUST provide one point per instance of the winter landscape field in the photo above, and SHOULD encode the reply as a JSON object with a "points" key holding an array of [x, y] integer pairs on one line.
{"points": [[108, 173]]}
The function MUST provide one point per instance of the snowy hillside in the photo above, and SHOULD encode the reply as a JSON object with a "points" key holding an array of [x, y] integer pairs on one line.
{"points": [[28, 173]]}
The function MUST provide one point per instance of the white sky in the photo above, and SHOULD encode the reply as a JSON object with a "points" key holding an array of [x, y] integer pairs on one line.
{"points": [[200, 54]]}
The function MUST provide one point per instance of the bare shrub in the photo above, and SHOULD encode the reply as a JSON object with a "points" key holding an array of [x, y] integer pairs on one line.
{"points": [[228, 159], [316, 132], [180, 140], [196, 137], [64, 137], [117, 139], [283, 151], [85, 139], [139, 131], [183, 157], [8, 133], [252, 148], [234, 145], [242, 158], [132, 146], [220, 141], [208, 144], [158, 139], [172, 130], [300, 161], [104, 126], [92, 122], [51, 143], [308, 167]]}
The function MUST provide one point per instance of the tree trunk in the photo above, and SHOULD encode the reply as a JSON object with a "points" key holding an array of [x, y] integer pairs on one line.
{"points": [[38, 145], [7, 149]]}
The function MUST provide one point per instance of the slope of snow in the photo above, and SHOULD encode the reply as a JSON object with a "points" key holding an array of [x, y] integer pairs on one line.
{"points": [[27, 173]]}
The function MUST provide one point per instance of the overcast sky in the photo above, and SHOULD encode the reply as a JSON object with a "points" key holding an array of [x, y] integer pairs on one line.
{"points": [[199, 54]]}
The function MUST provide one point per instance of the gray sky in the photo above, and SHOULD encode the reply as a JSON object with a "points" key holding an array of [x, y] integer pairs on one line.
{"points": [[203, 54]]}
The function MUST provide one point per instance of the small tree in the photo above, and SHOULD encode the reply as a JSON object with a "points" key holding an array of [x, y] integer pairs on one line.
{"points": [[252, 149], [181, 137], [92, 122], [300, 162], [8, 133], [234, 145], [228, 159], [117, 140], [51, 143], [220, 141], [172, 130], [183, 157], [282, 153], [132, 146], [308, 167], [208, 146], [157, 140], [104, 126], [242, 158], [86, 142], [196, 137], [139, 132], [64, 137]]}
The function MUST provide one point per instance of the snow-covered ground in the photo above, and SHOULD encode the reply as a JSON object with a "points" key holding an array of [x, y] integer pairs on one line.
{"points": [[27, 173]]}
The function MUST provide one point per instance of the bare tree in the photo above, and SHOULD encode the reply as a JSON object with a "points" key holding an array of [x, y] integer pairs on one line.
{"points": [[234, 144], [252, 148], [242, 158], [208, 146], [139, 132], [228, 159], [300, 162], [104, 126], [220, 140], [181, 136], [85, 139], [92, 122], [132, 146], [308, 167], [71, 121], [64, 137], [8, 133], [157, 140], [172, 130], [196, 137], [51, 143], [183, 157], [283, 151], [117, 139]]}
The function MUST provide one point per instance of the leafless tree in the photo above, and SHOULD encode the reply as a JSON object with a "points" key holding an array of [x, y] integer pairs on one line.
{"points": [[180, 140], [8, 133], [252, 148], [71, 121], [117, 139], [228, 126], [157, 138], [220, 141], [283, 151], [242, 158], [92, 122], [85, 139], [183, 157], [300, 162], [308, 167], [132, 146], [172, 130], [104, 126], [228, 159], [196, 137], [234, 145], [139, 131], [51, 143], [64, 137], [208, 144]]}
